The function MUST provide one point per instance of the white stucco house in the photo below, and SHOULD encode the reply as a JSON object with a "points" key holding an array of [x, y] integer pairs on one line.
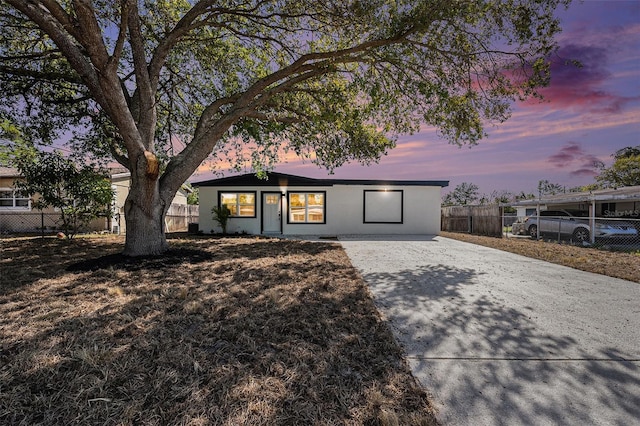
{"points": [[295, 205]]}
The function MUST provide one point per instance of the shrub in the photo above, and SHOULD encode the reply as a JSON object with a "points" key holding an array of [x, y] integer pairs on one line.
{"points": [[221, 215]]}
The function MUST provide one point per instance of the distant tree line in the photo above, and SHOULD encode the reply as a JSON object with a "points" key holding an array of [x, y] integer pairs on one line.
{"points": [[625, 171]]}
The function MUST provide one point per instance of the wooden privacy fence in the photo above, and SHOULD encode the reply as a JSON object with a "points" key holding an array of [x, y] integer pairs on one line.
{"points": [[477, 220], [179, 216]]}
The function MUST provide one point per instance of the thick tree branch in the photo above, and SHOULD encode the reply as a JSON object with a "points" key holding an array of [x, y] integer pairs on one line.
{"points": [[145, 92], [182, 28], [90, 36], [208, 133], [56, 31], [61, 16], [114, 59], [41, 75], [270, 117]]}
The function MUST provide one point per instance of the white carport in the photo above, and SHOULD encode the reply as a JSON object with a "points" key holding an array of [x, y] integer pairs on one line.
{"points": [[613, 203]]}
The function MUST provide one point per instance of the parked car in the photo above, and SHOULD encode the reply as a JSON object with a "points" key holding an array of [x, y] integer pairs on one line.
{"points": [[574, 224]]}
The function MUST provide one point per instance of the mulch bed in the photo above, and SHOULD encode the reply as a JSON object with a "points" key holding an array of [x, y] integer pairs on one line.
{"points": [[239, 331]]}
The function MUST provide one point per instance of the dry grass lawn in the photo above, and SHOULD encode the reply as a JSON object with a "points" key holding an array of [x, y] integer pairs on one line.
{"points": [[226, 332], [609, 263]]}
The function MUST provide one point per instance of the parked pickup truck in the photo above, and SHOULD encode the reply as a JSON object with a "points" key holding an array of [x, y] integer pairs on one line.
{"points": [[573, 224]]}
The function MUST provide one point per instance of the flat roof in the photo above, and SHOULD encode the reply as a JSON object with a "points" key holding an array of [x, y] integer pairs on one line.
{"points": [[626, 193], [283, 179]]}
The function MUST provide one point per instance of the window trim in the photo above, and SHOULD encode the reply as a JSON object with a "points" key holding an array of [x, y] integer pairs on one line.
{"points": [[364, 206], [255, 204], [28, 207], [324, 208]]}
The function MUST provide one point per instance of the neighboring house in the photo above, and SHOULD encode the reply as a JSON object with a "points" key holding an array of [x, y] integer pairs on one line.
{"points": [[621, 202], [10, 199], [178, 217], [16, 211], [295, 205], [17, 214]]}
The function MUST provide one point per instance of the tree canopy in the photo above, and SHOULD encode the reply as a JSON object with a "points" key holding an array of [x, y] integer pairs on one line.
{"points": [[462, 195], [159, 86], [550, 188], [81, 193], [625, 170]]}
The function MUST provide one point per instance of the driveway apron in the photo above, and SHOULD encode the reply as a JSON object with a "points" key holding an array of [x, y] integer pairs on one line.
{"points": [[502, 339]]}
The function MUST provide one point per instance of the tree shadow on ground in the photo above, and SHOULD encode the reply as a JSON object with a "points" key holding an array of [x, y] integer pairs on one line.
{"points": [[277, 334], [24, 261], [473, 350]]}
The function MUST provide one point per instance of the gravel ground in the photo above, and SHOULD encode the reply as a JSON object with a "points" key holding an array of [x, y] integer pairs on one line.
{"points": [[610, 263]]}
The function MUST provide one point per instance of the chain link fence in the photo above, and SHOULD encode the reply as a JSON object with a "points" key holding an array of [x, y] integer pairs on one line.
{"points": [[12, 223], [582, 230], [179, 218], [564, 227]]}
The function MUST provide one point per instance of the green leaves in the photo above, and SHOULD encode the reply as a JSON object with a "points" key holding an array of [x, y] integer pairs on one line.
{"points": [[335, 81], [625, 170], [81, 193], [462, 195]]}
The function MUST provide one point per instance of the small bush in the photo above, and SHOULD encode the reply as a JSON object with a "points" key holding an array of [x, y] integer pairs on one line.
{"points": [[221, 215]]}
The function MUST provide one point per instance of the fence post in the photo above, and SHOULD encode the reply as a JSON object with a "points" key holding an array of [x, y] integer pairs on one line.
{"points": [[41, 224]]}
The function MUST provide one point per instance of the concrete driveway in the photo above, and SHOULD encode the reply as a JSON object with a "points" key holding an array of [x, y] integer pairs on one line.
{"points": [[501, 339]]}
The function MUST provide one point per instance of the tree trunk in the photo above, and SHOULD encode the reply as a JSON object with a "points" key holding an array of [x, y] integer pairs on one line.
{"points": [[144, 215]]}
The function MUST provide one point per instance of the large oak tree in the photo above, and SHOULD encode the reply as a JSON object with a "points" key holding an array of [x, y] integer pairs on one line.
{"points": [[161, 85]]}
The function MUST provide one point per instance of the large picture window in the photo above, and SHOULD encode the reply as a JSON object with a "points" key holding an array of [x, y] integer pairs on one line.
{"points": [[307, 207], [241, 204], [14, 200], [383, 206]]}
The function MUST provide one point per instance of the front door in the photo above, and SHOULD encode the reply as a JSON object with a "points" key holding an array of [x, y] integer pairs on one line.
{"points": [[271, 212]]}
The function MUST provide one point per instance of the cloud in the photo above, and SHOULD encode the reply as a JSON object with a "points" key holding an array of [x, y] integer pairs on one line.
{"points": [[567, 154], [583, 88], [584, 172], [572, 155]]}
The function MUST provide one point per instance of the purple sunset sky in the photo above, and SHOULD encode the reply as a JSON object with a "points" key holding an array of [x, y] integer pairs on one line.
{"points": [[587, 115]]}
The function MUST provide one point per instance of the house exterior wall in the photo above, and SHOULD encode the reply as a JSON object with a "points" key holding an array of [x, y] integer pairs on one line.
{"points": [[9, 183], [6, 182], [345, 210], [121, 183], [24, 219]]}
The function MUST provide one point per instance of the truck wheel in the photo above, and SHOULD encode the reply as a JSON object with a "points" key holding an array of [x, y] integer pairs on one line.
{"points": [[533, 231], [581, 235]]}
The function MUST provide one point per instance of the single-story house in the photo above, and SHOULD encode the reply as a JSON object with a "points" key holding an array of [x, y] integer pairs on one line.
{"points": [[295, 205], [18, 215], [621, 202]]}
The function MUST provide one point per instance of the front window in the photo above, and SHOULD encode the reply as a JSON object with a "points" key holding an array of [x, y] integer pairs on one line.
{"points": [[383, 206], [13, 199], [241, 204], [306, 207]]}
